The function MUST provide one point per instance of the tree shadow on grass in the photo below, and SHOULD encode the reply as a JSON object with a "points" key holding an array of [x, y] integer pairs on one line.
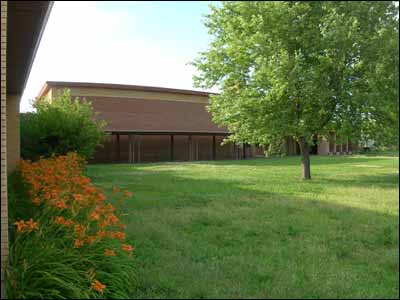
{"points": [[295, 161], [200, 237], [385, 181], [316, 160]]}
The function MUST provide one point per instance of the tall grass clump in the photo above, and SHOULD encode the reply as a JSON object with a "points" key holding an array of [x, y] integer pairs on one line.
{"points": [[68, 241]]}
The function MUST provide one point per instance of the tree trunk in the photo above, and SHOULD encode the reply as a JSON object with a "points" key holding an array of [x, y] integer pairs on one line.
{"points": [[305, 159]]}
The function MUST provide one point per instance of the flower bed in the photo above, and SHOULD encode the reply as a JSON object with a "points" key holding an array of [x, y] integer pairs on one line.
{"points": [[71, 243]]}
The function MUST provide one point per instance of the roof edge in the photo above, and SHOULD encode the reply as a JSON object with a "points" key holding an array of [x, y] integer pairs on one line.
{"points": [[43, 91], [46, 15], [168, 132], [49, 84]]}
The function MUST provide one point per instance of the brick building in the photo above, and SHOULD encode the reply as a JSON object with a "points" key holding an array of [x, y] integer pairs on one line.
{"points": [[148, 124]]}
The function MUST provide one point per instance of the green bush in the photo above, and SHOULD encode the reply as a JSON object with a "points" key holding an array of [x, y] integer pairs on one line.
{"points": [[60, 126]]}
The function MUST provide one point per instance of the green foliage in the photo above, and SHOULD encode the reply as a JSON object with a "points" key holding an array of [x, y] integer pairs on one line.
{"points": [[45, 262], [61, 126], [301, 69], [43, 265], [18, 204], [277, 148]]}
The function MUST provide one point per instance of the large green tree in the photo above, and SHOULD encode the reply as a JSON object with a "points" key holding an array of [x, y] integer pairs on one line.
{"points": [[302, 69]]}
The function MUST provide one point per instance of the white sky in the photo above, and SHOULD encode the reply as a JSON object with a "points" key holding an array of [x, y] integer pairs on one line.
{"points": [[114, 42]]}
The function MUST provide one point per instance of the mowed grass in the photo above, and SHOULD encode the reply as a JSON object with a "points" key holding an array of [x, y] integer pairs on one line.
{"points": [[253, 229]]}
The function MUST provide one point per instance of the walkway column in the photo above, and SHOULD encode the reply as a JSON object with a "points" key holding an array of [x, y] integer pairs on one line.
{"points": [[213, 148], [190, 147], [139, 148], [133, 148], [171, 144], [197, 149], [334, 146], [118, 149], [111, 152], [130, 148]]}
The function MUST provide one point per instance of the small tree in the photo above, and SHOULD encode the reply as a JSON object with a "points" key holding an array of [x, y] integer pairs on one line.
{"points": [[60, 126], [302, 69]]}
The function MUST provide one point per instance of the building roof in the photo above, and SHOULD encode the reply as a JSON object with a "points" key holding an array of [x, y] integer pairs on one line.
{"points": [[124, 115], [138, 112], [26, 21], [114, 86]]}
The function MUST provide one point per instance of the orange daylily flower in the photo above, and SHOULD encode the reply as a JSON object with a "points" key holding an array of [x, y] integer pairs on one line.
{"points": [[36, 200], [109, 252], [54, 193], [98, 286], [78, 197], [101, 197], [61, 205], [20, 225], [127, 248], [80, 229], [32, 225], [78, 243], [59, 182], [90, 239], [68, 223], [85, 180], [112, 219], [118, 235], [103, 224], [90, 190], [102, 233], [59, 220], [94, 216], [109, 207], [127, 194]]}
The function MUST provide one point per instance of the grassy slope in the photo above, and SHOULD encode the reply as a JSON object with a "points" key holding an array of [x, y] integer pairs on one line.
{"points": [[252, 229]]}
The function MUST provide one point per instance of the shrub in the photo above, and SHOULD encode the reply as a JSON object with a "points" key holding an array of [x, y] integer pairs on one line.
{"points": [[71, 243], [60, 126]]}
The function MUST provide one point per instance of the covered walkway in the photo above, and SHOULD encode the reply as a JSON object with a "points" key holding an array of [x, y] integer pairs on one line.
{"points": [[151, 146]]}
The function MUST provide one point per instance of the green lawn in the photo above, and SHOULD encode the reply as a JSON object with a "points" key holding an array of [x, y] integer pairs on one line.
{"points": [[253, 229]]}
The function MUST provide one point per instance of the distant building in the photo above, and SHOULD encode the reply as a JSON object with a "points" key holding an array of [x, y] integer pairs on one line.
{"points": [[151, 124]]}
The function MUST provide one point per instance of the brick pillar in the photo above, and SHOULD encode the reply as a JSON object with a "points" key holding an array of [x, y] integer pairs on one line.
{"points": [[13, 132], [4, 211], [334, 144], [323, 147]]}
